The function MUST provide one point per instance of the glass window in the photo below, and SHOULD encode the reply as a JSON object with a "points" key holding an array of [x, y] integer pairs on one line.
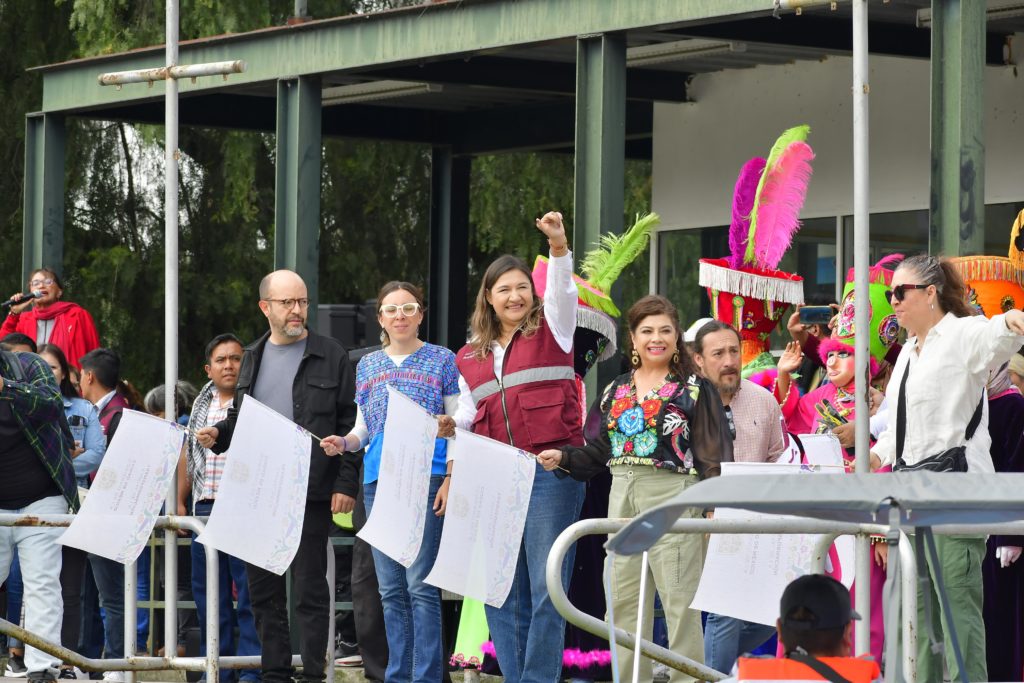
{"points": [[906, 232]]}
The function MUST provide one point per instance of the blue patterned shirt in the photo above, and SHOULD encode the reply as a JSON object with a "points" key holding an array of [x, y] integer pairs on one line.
{"points": [[426, 376]]}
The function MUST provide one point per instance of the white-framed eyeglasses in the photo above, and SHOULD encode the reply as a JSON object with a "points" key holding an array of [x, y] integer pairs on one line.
{"points": [[408, 310], [40, 283]]}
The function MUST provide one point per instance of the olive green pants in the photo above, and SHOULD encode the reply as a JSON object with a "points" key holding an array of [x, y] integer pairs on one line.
{"points": [[674, 568], [960, 562]]}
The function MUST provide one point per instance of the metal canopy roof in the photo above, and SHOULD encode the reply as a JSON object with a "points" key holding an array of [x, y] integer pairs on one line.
{"points": [[487, 75]]}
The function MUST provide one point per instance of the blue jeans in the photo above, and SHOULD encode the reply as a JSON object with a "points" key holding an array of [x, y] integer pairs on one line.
{"points": [[231, 570], [109, 576], [528, 633], [14, 597], [726, 638], [412, 608], [142, 593]]}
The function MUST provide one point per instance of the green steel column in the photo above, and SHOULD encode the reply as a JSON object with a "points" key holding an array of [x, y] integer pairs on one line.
{"points": [[297, 185], [600, 152], [43, 228], [447, 305], [957, 225], [600, 138]]}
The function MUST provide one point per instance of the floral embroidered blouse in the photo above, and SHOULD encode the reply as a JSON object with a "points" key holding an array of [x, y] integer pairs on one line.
{"points": [[679, 426]]}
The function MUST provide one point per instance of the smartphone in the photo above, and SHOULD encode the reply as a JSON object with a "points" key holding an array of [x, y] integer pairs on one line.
{"points": [[816, 315]]}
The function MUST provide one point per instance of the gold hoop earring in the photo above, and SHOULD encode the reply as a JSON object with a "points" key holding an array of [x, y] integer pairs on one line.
{"points": [[675, 358], [634, 358]]}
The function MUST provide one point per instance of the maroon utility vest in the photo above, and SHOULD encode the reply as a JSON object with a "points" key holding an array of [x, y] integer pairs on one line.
{"points": [[115, 405], [536, 404]]}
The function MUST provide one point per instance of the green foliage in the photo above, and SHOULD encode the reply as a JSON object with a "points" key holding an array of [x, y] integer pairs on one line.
{"points": [[375, 197]]}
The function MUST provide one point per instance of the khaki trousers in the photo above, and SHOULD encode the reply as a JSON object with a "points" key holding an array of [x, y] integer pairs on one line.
{"points": [[674, 568]]}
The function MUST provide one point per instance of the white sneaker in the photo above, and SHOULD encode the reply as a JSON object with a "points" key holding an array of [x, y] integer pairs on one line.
{"points": [[114, 676]]}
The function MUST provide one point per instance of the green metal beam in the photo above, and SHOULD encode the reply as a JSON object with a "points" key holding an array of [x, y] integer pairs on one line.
{"points": [[600, 138], [957, 222], [600, 191], [297, 183], [421, 33], [449, 248], [43, 228]]}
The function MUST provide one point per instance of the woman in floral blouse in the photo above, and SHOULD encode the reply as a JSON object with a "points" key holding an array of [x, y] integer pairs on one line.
{"points": [[660, 428]]}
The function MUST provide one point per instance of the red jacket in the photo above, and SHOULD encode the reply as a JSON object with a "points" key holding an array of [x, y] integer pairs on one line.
{"points": [[536, 405], [73, 329]]}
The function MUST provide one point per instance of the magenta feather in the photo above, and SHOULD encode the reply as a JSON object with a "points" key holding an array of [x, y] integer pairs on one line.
{"points": [[890, 260], [742, 205], [779, 204]]}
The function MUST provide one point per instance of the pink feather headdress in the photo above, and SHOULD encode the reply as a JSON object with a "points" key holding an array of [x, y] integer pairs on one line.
{"points": [[745, 288]]}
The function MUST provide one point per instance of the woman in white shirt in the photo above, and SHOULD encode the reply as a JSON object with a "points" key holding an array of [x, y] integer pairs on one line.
{"points": [[944, 366]]}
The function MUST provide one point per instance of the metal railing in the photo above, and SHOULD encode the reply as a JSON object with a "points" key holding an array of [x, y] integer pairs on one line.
{"points": [[130, 663], [647, 648], [829, 530]]}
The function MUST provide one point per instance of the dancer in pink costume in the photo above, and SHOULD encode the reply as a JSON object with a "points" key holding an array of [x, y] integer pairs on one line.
{"points": [[832, 404]]}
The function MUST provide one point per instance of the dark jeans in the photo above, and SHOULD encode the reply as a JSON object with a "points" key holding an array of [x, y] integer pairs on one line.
{"points": [[311, 596], [344, 622], [366, 606], [109, 577], [90, 638], [232, 570], [72, 569]]}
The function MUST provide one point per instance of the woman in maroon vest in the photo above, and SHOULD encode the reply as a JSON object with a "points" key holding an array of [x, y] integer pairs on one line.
{"points": [[518, 371]]}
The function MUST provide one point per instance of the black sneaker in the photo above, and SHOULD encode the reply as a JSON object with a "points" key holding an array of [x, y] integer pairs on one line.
{"points": [[347, 654], [68, 673], [16, 667], [41, 676]]}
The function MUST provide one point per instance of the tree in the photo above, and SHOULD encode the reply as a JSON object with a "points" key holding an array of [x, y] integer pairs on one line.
{"points": [[374, 200]]}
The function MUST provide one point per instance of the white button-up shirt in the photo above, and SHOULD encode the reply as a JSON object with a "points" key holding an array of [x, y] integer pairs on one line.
{"points": [[946, 381]]}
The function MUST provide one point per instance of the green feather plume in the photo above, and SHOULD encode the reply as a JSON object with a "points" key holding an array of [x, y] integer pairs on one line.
{"points": [[603, 265], [794, 134]]}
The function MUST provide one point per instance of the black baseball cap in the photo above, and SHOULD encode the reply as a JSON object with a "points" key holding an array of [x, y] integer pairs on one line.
{"points": [[826, 603]]}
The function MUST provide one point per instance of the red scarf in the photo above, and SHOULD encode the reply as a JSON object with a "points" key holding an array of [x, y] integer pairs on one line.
{"points": [[53, 310]]}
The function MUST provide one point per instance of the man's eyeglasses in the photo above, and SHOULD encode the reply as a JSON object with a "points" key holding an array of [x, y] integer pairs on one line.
{"points": [[900, 291], [289, 304], [391, 310], [39, 283]]}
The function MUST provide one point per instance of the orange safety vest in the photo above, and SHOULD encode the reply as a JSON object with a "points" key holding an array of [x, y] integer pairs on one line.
{"points": [[852, 668]]}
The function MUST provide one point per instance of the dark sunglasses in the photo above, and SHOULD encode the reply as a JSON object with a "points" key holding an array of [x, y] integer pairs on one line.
{"points": [[900, 291]]}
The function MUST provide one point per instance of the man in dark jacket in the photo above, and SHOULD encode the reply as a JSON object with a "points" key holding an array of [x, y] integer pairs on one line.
{"points": [[307, 378]]}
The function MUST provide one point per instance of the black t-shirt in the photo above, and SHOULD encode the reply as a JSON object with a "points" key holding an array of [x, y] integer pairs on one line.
{"points": [[23, 477]]}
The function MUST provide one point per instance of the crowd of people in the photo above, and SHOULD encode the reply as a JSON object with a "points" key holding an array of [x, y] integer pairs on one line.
{"points": [[690, 397]]}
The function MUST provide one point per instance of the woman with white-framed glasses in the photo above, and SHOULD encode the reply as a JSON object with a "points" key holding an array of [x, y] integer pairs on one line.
{"points": [[44, 317], [427, 374]]}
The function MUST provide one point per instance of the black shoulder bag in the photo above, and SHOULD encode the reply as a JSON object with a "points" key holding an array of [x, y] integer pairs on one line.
{"points": [[819, 667], [952, 460]]}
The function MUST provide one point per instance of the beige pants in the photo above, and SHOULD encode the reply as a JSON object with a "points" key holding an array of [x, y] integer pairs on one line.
{"points": [[674, 564]]}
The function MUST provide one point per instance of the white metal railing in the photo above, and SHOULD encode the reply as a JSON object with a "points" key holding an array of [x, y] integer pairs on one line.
{"points": [[829, 530], [211, 663]]}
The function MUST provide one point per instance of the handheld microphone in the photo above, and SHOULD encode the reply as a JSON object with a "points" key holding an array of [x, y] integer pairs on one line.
{"points": [[22, 299]]}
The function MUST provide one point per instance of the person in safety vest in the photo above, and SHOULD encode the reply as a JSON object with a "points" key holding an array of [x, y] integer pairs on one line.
{"points": [[815, 628]]}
